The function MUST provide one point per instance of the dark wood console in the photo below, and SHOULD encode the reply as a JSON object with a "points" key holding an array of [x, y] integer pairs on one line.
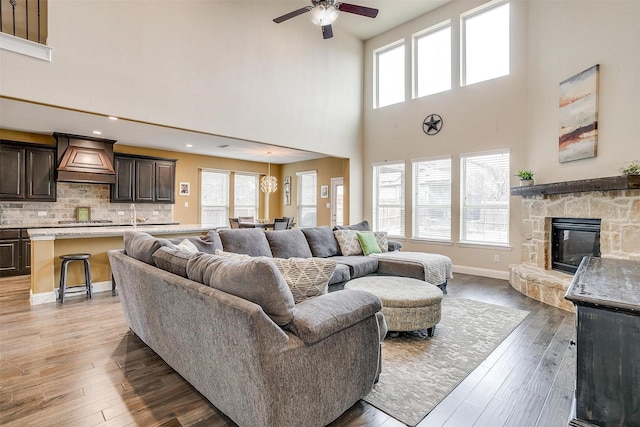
{"points": [[606, 294]]}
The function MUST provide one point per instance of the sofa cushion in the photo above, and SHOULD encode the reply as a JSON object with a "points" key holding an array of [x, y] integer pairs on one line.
{"points": [[321, 241], [348, 241], [172, 260], [141, 246], [361, 226], [358, 265], [340, 274], [214, 238], [321, 317], [368, 242], [306, 277], [288, 244], [249, 241], [255, 279]]}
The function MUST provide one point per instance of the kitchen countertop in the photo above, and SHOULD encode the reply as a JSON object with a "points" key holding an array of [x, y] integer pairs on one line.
{"points": [[56, 224], [114, 230]]}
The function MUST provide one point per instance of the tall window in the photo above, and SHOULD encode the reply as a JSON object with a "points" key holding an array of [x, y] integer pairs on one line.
{"points": [[389, 74], [388, 198], [432, 199], [485, 198], [432, 60], [214, 198], [485, 42], [245, 195], [307, 198]]}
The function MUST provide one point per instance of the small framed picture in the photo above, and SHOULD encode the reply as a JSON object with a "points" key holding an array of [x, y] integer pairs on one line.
{"points": [[83, 214], [185, 188], [324, 191]]}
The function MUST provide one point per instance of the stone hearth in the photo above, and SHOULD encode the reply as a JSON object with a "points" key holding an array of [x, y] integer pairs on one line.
{"points": [[619, 210]]}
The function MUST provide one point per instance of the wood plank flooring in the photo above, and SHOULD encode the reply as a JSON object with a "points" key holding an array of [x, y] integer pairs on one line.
{"points": [[78, 364]]}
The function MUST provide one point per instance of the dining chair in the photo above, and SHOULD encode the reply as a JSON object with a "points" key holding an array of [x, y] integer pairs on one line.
{"points": [[291, 224], [280, 223], [234, 222], [246, 219]]}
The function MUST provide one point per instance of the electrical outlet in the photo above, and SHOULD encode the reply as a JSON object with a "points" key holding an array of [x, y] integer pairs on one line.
{"points": [[186, 204], [496, 258], [121, 213], [42, 213]]}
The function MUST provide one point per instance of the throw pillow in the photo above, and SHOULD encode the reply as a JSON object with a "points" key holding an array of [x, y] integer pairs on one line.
{"points": [[306, 277], [348, 242], [187, 246], [361, 226], [322, 242], [381, 238], [368, 242]]}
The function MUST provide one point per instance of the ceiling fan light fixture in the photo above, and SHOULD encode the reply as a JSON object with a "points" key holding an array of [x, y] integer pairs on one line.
{"points": [[322, 14]]}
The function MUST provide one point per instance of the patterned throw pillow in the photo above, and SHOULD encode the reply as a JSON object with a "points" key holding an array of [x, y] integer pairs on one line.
{"points": [[348, 241], [381, 238], [306, 277], [187, 246]]}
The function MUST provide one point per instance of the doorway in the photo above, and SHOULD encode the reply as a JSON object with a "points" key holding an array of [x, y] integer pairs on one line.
{"points": [[337, 202]]}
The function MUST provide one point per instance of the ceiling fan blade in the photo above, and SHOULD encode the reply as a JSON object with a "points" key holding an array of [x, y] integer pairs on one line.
{"points": [[327, 32], [358, 10], [292, 14]]}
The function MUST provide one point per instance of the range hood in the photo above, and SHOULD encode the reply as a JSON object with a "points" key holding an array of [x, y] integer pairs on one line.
{"points": [[85, 159]]}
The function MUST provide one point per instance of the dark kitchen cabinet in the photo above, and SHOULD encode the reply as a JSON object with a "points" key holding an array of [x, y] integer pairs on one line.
{"points": [[143, 180], [28, 172], [606, 295], [15, 252]]}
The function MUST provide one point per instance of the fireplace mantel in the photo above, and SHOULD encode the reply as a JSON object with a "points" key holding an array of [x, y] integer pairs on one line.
{"points": [[625, 182]]}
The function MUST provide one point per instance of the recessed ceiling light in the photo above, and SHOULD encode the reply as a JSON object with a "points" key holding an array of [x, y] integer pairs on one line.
{"points": [[189, 145], [97, 132], [113, 118], [223, 146]]}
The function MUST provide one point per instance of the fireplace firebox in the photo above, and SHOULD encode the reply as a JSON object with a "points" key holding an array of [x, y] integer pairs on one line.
{"points": [[571, 240]]}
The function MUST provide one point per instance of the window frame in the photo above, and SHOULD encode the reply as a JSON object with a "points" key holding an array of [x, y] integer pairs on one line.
{"points": [[415, 38], [463, 38], [227, 198], [464, 206], [256, 203], [375, 200], [376, 72], [415, 200]]}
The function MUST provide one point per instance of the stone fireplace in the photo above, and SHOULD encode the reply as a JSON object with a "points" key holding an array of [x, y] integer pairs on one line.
{"points": [[614, 201]]}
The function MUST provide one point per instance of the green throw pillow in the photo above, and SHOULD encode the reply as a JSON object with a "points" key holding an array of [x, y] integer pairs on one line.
{"points": [[368, 242]]}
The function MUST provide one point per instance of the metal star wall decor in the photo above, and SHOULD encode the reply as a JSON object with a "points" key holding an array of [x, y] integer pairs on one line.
{"points": [[432, 124]]}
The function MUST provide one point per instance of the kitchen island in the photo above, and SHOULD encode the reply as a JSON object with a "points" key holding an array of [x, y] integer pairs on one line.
{"points": [[47, 244]]}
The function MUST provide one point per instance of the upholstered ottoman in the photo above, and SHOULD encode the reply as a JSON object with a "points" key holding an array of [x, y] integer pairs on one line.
{"points": [[407, 304]]}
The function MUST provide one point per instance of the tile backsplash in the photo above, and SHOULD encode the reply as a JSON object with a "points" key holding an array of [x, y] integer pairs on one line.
{"points": [[70, 196]]}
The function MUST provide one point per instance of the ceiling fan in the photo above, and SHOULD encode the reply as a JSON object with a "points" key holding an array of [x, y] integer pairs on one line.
{"points": [[325, 12]]}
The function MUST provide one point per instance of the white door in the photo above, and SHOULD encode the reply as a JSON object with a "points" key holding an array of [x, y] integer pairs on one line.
{"points": [[337, 202]]}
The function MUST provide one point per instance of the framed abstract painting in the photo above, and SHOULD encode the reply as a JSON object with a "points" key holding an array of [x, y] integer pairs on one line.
{"points": [[578, 137]]}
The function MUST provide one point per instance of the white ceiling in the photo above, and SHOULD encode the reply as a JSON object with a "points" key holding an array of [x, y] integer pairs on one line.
{"points": [[17, 114]]}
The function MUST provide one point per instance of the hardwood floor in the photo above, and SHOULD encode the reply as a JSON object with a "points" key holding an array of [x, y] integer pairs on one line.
{"points": [[78, 365]]}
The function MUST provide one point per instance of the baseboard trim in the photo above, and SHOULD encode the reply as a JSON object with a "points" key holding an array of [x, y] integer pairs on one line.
{"points": [[47, 297], [483, 272]]}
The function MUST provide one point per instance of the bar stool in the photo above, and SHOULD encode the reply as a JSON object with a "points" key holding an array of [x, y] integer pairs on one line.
{"points": [[63, 273]]}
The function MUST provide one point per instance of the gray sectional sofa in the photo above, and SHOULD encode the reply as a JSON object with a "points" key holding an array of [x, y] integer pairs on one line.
{"points": [[232, 328]]}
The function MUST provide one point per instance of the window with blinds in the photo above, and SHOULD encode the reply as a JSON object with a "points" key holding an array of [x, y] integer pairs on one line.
{"points": [[307, 198], [432, 199], [245, 195], [214, 198], [484, 201], [388, 198]]}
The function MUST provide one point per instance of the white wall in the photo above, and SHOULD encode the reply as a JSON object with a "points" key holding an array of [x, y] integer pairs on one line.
{"points": [[221, 67], [551, 41]]}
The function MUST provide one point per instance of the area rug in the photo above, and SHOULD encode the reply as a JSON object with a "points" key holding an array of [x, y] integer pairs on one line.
{"points": [[418, 371]]}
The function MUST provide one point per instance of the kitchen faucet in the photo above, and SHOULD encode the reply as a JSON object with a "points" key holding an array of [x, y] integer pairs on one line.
{"points": [[132, 209]]}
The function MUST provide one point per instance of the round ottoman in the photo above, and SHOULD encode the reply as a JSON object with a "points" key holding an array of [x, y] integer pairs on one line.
{"points": [[407, 304]]}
